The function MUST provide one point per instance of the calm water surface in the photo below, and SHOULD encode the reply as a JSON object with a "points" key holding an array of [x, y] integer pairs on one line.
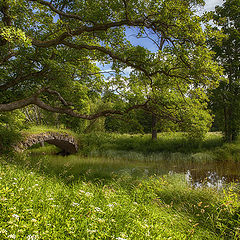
{"points": [[197, 173], [208, 173]]}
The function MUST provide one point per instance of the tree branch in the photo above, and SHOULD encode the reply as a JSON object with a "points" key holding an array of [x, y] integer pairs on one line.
{"points": [[61, 13], [85, 29], [34, 99], [6, 58], [108, 52], [21, 79]]}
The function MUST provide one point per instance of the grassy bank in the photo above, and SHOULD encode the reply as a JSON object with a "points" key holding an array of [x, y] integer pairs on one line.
{"points": [[39, 202], [166, 142], [168, 146]]}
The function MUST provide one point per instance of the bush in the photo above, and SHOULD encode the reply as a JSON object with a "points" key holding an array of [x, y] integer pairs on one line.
{"points": [[8, 138]]}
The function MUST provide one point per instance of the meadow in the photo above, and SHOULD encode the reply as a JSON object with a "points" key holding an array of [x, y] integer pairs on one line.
{"points": [[97, 195]]}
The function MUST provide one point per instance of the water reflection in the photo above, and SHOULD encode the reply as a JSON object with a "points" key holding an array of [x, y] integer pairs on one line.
{"points": [[211, 174]]}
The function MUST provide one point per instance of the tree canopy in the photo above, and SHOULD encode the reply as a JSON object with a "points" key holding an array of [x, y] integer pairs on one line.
{"points": [[226, 98], [50, 53]]}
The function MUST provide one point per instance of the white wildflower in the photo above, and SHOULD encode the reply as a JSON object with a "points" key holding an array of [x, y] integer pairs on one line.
{"points": [[50, 199], [75, 204], [4, 231], [32, 237], [91, 231], [97, 209], [88, 194], [16, 216], [119, 238], [12, 236], [33, 220]]}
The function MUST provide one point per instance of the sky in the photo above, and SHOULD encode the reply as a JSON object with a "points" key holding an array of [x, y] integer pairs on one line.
{"points": [[210, 4]]}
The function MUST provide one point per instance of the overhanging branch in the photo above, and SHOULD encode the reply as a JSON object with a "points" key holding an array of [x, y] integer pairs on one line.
{"points": [[35, 99]]}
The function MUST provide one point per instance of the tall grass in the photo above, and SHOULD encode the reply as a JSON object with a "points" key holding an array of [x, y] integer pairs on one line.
{"points": [[42, 202], [166, 142]]}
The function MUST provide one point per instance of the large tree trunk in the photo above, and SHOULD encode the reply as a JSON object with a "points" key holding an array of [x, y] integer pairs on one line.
{"points": [[154, 129]]}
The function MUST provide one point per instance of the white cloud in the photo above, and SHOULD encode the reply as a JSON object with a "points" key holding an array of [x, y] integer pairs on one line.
{"points": [[128, 70], [211, 4]]}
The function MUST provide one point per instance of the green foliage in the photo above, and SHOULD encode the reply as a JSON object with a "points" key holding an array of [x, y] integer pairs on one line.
{"points": [[225, 100], [15, 36], [10, 124], [65, 51], [166, 142]]}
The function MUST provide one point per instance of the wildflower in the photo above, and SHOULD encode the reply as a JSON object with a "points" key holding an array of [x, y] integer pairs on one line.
{"points": [[50, 199], [100, 220], [119, 238], [75, 204], [88, 194], [4, 231], [28, 210], [91, 231], [73, 219], [111, 205], [16, 216], [202, 210], [12, 236], [33, 220], [32, 237], [97, 209]]}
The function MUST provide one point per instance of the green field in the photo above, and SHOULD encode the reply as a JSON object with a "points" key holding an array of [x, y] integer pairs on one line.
{"points": [[98, 196]]}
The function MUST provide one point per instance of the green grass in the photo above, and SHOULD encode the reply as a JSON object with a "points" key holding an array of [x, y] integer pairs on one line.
{"points": [[166, 142], [43, 197], [43, 129]]}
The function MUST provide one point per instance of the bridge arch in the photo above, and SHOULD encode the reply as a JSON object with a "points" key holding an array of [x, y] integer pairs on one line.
{"points": [[63, 141]]}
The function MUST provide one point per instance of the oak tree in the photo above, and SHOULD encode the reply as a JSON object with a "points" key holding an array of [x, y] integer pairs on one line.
{"points": [[50, 53]]}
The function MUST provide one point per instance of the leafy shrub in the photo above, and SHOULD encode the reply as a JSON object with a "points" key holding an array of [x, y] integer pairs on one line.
{"points": [[8, 138]]}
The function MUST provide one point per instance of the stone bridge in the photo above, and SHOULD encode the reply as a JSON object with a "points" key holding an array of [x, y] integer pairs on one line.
{"points": [[64, 141]]}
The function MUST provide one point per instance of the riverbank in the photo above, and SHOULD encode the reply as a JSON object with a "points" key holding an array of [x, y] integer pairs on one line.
{"points": [[42, 203]]}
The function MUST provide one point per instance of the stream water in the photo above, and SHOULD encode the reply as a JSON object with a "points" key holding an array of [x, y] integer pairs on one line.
{"points": [[197, 173]]}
